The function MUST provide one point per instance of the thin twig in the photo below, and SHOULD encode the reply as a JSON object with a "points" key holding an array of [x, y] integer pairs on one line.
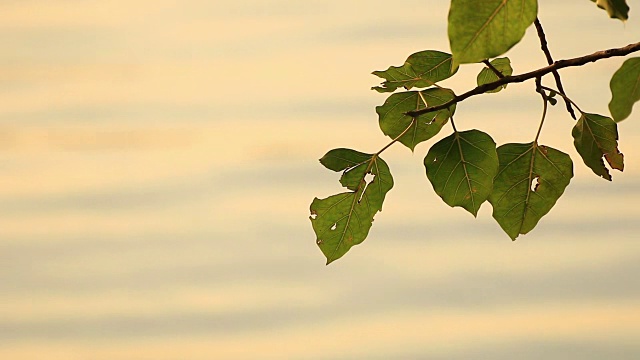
{"points": [[564, 97], [539, 86], [493, 68], [560, 64], [545, 49]]}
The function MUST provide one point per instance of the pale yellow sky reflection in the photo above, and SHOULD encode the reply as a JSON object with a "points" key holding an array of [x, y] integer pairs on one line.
{"points": [[158, 159]]}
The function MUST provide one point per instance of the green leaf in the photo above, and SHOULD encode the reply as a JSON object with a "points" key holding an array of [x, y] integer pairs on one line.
{"points": [[531, 179], [625, 89], [343, 220], [421, 70], [596, 137], [394, 122], [486, 29], [461, 168], [615, 8], [503, 65]]}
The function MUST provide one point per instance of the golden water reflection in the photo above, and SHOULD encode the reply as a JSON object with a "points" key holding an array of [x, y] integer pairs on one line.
{"points": [[157, 161]]}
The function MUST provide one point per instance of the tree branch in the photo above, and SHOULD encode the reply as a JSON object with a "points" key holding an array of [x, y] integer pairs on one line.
{"points": [[545, 49], [560, 64]]}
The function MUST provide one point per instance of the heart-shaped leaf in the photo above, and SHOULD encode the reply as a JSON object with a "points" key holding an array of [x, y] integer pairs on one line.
{"points": [[625, 89], [461, 168], [394, 122], [596, 138], [480, 30], [421, 70], [503, 65], [615, 8], [343, 220], [531, 179]]}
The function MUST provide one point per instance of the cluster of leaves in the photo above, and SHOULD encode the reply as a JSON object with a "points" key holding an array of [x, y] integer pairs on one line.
{"points": [[521, 181]]}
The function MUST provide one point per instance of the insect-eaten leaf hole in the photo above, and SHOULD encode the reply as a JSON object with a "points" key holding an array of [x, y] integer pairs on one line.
{"points": [[334, 226], [314, 215], [535, 183], [368, 179], [318, 241]]}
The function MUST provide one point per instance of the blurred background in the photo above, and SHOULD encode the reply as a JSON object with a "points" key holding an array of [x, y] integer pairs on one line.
{"points": [[158, 159]]}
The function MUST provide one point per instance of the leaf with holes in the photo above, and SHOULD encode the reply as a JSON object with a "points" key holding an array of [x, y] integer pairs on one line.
{"points": [[393, 121], [615, 8], [625, 89], [480, 30], [421, 70], [596, 138], [503, 65], [461, 168], [343, 220], [530, 181]]}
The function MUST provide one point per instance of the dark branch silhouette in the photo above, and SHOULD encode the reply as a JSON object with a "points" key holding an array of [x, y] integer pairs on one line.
{"points": [[545, 49], [493, 68], [560, 64]]}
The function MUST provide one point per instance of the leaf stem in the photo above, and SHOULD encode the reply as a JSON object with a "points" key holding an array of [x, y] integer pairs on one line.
{"points": [[545, 102], [453, 124], [395, 140], [557, 65]]}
